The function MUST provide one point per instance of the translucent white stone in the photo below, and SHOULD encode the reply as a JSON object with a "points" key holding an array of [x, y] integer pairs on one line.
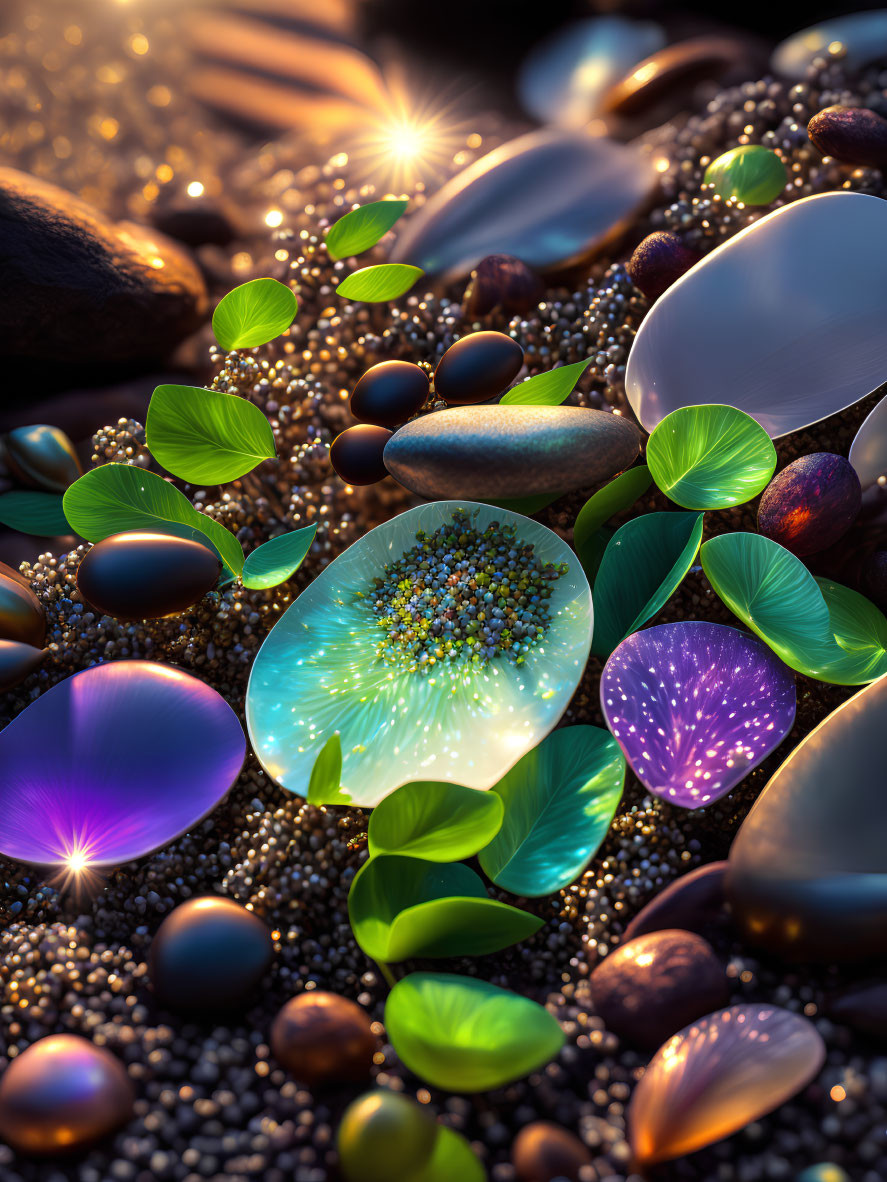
{"points": [[868, 456], [862, 34]]}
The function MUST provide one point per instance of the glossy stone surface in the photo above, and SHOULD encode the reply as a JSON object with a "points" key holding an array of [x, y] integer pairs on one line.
{"points": [[695, 902], [62, 1094], [695, 706], [853, 135], [477, 367], [113, 762], [356, 454], [868, 456], [505, 203], [504, 282], [672, 69], [808, 868], [196, 221], [862, 1006], [810, 504], [497, 452], [792, 334], [143, 576], [209, 954], [17, 662], [863, 36], [751, 174], [543, 1151], [318, 672], [383, 1136], [654, 985], [68, 270], [22, 617], [42, 457], [323, 1038], [389, 393], [658, 262], [718, 1075]]}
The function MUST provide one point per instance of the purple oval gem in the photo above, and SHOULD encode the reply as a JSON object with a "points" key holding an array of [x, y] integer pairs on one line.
{"points": [[113, 763], [695, 706]]}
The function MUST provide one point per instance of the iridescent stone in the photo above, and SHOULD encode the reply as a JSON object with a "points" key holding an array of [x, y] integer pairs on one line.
{"points": [[868, 457], [323, 1038], [810, 504], [825, 1171], [751, 174], [477, 367], [658, 262], [853, 135], [695, 706], [545, 1152], [22, 617], [17, 662], [656, 984], [808, 868], [695, 902], [717, 1076], [788, 315], [209, 954], [112, 763], [61, 1095], [502, 281], [861, 35], [389, 393], [143, 576], [497, 452], [356, 454], [42, 457], [507, 203], [384, 1136], [675, 68]]}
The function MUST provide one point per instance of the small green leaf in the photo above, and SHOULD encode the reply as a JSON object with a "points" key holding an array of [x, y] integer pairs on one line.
{"points": [[402, 907], [324, 787], [38, 513], [710, 457], [205, 436], [276, 561], [254, 314], [362, 228], [374, 285], [465, 1035], [435, 821], [119, 497], [617, 496], [546, 389], [559, 801], [452, 1160], [643, 565]]}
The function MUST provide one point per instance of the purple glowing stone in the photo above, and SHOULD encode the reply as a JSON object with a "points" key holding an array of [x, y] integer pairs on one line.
{"points": [[113, 763], [695, 706]]}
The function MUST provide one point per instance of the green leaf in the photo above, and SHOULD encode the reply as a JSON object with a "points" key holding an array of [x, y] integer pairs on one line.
{"points": [[324, 787], [559, 801], [546, 389], [205, 436], [438, 822], [38, 513], [526, 505], [362, 228], [276, 561], [401, 907], [642, 567], [617, 496], [465, 1035], [452, 1160], [710, 457], [118, 497], [817, 627], [253, 314], [374, 285]]}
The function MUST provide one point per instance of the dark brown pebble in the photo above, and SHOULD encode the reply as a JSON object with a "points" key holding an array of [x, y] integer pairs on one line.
{"points": [[853, 135], [862, 1007], [677, 66], [504, 282], [144, 576], [323, 1038], [21, 613], [17, 662], [42, 457], [196, 221], [477, 367], [389, 393], [356, 454], [810, 504], [696, 902], [658, 261], [545, 1152]]}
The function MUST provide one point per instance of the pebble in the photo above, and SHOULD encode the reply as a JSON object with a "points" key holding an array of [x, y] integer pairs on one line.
{"points": [[22, 617], [143, 576], [810, 504], [658, 262], [17, 662], [62, 1094], [196, 221], [868, 452], [862, 1006], [42, 457], [356, 454], [695, 902], [853, 135], [498, 452], [502, 282], [545, 1152], [477, 367], [322, 1038], [389, 393], [862, 36], [79, 288], [383, 1136], [751, 174], [674, 69]]}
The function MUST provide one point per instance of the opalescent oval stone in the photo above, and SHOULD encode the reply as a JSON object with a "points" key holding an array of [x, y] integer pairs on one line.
{"points": [[868, 452], [43, 457], [808, 868], [863, 36], [785, 318], [673, 71], [22, 617], [695, 902], [17, 662], [750, 173], [716, 1076]]}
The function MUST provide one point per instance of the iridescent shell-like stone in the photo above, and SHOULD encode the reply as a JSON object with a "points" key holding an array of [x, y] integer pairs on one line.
{"points": [[22, 617], [695, 902], [861, 35], [868, 457], [785, 317], [676, 69], [543, 1151], [42, 457], [17, 662]]}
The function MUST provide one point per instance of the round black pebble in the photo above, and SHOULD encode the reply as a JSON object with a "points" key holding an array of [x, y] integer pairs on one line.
{"points": [[543, 1151], [323, 1038], [502, 281], [658, 261], [208, 955], [389, 393], [356, 454], [477, 367]]}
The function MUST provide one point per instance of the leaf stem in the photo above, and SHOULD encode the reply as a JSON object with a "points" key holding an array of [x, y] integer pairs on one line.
{"points": [[386, 973]]}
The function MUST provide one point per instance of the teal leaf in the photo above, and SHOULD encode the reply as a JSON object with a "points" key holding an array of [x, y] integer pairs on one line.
{"points": [[38, 513], [643, 565], [546, 389], [526, 505], [205, 436], [559, 802], [817, 627], [374, 285], [274, 562], [118, 497], [710, 457], [254, 314], [324, 787], [402, 907], [436, 821], [465, 1035], [593, 552], [362, 228], [617, 496], [452, 1160]]}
